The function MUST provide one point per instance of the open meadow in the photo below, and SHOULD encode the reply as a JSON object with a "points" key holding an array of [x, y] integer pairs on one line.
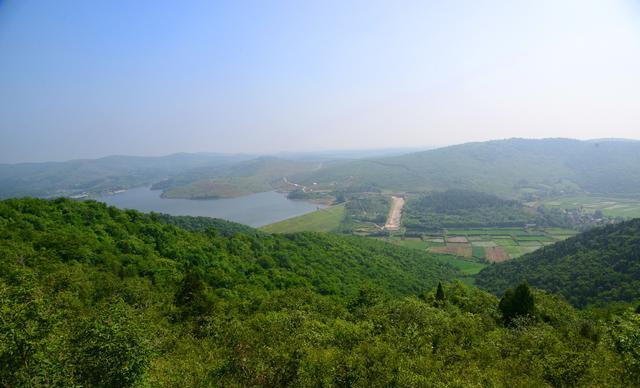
{"points": [[322, 220]]}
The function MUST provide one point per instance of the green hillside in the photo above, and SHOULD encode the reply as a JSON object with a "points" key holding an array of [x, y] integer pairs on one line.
{"points": [[253, 176], [207, 224], [95, 296], [512, 168], [595, 267]]}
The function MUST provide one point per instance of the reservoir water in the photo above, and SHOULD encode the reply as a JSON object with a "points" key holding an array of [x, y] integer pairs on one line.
{"points": [[254, 210]]}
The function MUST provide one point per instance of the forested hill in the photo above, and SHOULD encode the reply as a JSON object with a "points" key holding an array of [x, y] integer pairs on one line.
{"points": [[207, 224], [94, 296], [594, 267], [512, 168], [90, 233]]}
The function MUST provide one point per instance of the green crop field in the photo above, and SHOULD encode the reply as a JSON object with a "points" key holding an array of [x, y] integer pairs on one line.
{"points": [[610, 206], [413, 243], [478, 252], [515, 241], [533, 238], [468, 268], [323, 220]]}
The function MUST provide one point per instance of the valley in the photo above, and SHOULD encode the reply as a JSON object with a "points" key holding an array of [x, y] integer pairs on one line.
{"points": [[320, 194], [146, 285]]}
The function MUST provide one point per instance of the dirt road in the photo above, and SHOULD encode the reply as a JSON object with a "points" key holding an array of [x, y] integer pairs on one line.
{"points": [[395, 213]]}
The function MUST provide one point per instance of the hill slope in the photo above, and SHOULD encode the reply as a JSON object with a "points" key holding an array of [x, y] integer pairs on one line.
{"points": [[597, 266], [514, 167], [70, 231], [95, 296], [246, 177]]}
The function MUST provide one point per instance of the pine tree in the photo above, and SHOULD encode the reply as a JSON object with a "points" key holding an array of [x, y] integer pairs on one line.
{"points": [[191, 297], [517, 303], [440, 293]]}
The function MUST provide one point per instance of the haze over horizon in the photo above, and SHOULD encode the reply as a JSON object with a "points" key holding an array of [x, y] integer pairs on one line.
{"points": [[80, 80]]}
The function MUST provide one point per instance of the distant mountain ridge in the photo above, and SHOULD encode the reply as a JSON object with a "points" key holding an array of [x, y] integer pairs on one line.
{"points": [[96, 175], [184, 175], [510, 168], [516, 168], [233, 180]]}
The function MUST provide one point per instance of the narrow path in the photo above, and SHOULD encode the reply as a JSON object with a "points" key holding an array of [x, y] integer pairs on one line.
{"points": [[305, 189], [395, 213]]}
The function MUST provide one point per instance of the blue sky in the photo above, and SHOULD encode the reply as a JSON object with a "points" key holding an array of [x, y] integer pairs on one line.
{"points": [[89, 78]]}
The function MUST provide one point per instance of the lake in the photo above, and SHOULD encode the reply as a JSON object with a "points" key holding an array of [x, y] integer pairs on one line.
{"points": [[253, 210]]}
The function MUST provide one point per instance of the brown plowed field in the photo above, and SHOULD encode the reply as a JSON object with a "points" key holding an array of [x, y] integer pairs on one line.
{"points": [[463, 250], [495, 254]]}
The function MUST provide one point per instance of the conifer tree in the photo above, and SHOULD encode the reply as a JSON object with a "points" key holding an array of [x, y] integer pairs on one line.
{"points": [[440, 293], [517, 303]]}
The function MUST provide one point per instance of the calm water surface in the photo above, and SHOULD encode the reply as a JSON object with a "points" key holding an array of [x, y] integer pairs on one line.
{"points": [[254, 210]]}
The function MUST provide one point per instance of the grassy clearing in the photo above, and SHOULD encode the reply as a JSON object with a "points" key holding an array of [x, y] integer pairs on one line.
{"points": [[408, 243], [465, 266], [531, 238], [530, 243], [324, 220]]}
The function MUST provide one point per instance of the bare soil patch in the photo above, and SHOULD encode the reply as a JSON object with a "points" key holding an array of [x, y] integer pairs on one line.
{"points": [[463, 250], [496, 254]]}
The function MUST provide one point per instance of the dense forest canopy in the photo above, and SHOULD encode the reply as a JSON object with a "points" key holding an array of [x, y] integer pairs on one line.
{"points": [[466, 208], [95, 296], [598, 266]]}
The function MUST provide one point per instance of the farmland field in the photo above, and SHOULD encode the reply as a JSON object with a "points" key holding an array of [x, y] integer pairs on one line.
{"points": [[457, 249], [478, 252], [467, 267], [457, 239], [612, 207], [496, 254], [495, 244], [413, 243]]}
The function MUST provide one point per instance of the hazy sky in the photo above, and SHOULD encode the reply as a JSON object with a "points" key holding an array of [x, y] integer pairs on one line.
{"points": [[91, 78]]}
